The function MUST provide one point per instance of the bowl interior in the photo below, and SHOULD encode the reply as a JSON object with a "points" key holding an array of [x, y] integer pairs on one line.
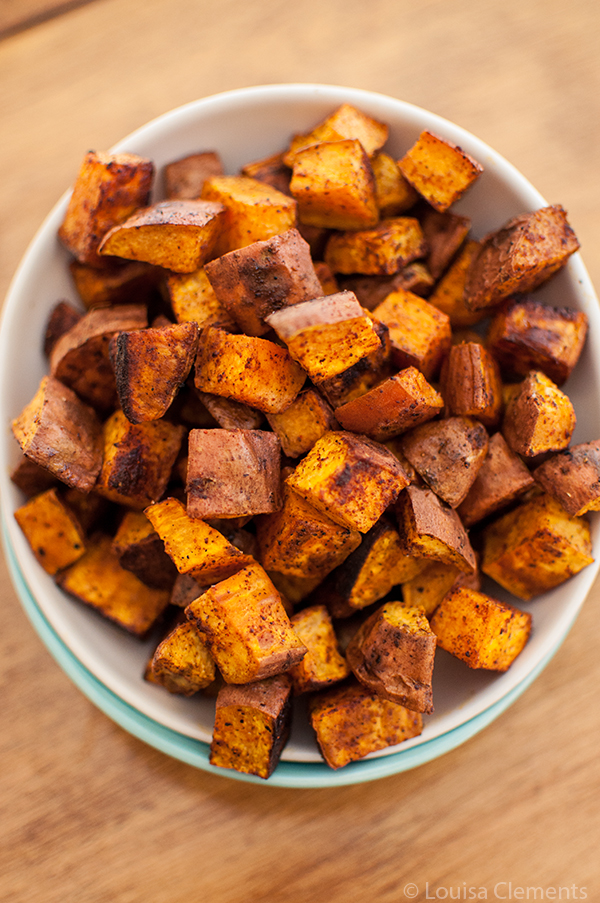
{"points": [[243, 126]]}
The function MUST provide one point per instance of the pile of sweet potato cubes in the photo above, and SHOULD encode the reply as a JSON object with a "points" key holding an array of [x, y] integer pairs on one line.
{"points": [[294, 415]]}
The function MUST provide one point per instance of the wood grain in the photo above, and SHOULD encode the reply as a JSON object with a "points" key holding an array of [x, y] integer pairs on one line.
{"points": [[91, 814]]}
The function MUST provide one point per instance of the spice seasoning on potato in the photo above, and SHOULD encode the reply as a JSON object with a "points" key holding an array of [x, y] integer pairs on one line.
{"points": [[539, 417], [572, 477], [439, 170]]}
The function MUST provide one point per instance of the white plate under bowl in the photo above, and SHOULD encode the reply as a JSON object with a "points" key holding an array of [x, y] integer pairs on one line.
{"points": [[242, 126]]}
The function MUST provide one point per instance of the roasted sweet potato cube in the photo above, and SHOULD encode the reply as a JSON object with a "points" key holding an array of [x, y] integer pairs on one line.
{"points": [[431, 529], [392, 655], [480, 630], [196, 548], [445, 234], [334, 186], [420, 333], [535, 547], [427, 589], [397, 404], [185, 177], [394, 194], [369, 572], [251, 370], [98, 580], [178, 235], [383, 250], [63, 317], [349, 478], [255, 211], [573, 478], [233, 473], [62, 434], [326, 335], [140, 550], [350, 722], [246, 628], [298, 427], [182, 662], [448, 455], [439, 170], [300, 541], [271, 170], [52, 530], [254, 281], [539, 418], [32, 478], [448, 295], [138, 459], [123, 282], [231, 415], [527, 334], [519, 257], [501, 479], [107, 190], [366, 373], [345, 122], [470, 383], [372, 290], [252, 725], [193, 299], [323, 664], [140, 356]]}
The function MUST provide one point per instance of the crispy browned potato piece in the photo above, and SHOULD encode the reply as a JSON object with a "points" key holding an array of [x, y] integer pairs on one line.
{"points": [[323, 665], [307, 418], [138, 459], [62, 434], [185, 177], [196, 548], [369, 572], [255, 211], [140, 550], [394, 194], [255, 281], [392, 654], [32, 478], [251, 370], [300, 541], [229, 414], [178, 235], [529, 335], [519, 257], [193, 299], [252, 725], [471, 384], [271, 170], [349, 478], [367, 372], [420, 333], [326, 335], [52, 530], [350, 722], [431, 529], [233, 473], [182, 663], [535, 547], [345, 122], [501, 479], [139, 356], [539, 417], [448, 295], [63, 317], [445, 234], [334, 186], [439, 170], [123, 282], [246, 628], [448, 455], [397, 404], [573, 478], [427, 589], [481, 631], [383, 250], [98, 580], [107, 190]]}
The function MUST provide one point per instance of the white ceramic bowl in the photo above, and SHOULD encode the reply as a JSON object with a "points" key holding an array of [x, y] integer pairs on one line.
{"points": [[243, 126]]}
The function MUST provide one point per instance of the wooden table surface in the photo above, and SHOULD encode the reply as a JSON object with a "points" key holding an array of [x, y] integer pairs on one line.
{"points": [[91, 814]]}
